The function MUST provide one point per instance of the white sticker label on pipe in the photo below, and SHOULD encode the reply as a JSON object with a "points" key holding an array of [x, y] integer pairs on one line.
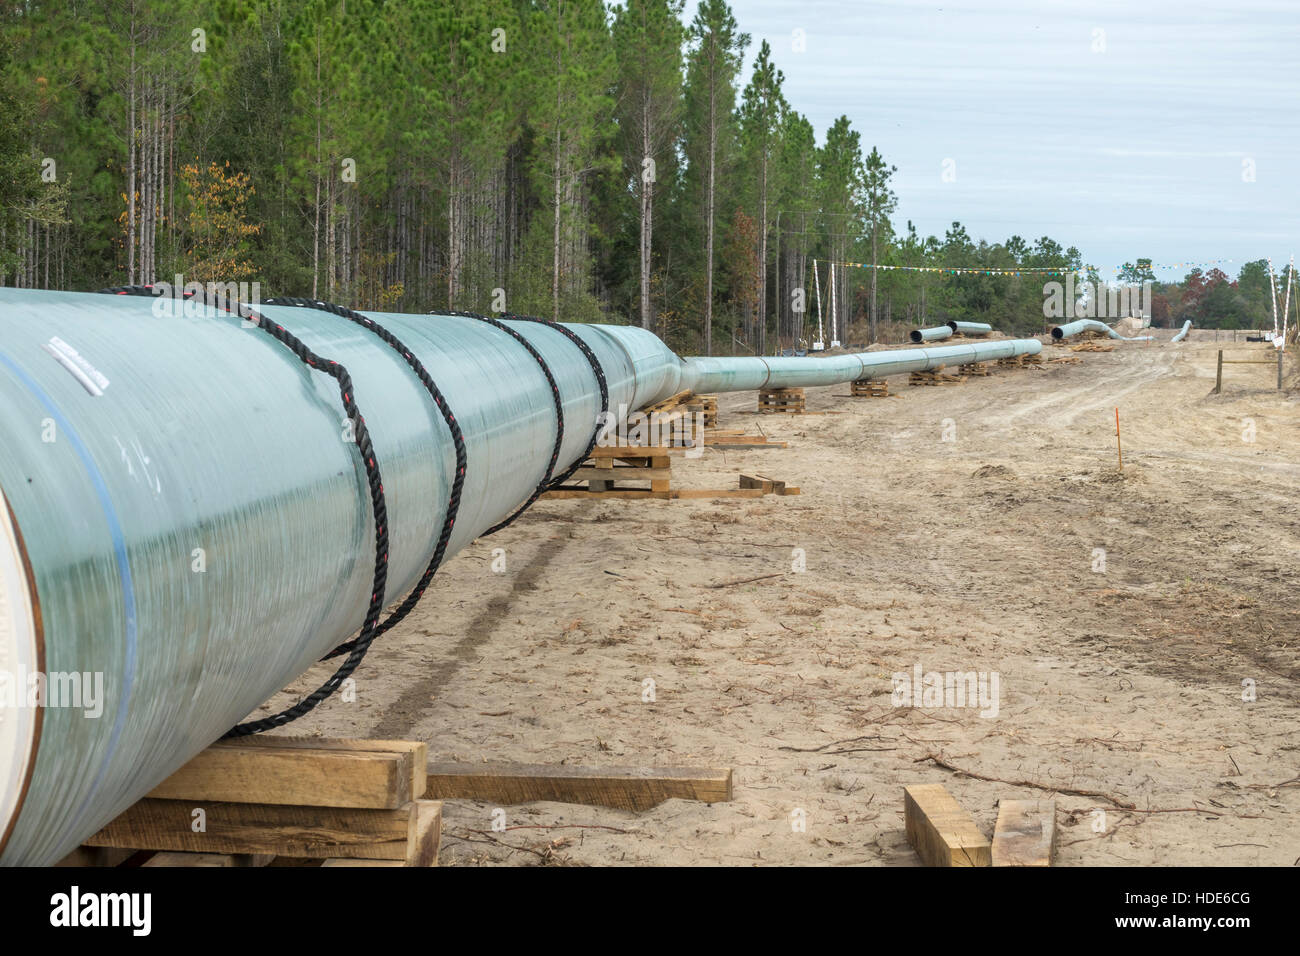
{"points": [[90, 377]]}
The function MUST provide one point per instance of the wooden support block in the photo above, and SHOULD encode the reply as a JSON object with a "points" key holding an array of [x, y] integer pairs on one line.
{"points": [[941, 832], [424, 833], [769, 486], [319, 832], [623, 788], [418, 750], [781, 400], [1025, 834], [241, 772]]}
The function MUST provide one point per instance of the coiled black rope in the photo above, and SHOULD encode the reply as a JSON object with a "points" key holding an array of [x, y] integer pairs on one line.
{"points": [[458, 482], [373, 477], [596, 369], [559, 414]]}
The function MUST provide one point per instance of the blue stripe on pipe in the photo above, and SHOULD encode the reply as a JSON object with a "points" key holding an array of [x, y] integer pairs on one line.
{"points": [[123, 567]]}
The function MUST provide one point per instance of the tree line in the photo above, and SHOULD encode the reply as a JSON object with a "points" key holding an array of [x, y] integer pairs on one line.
{"points": [[557, 157]]}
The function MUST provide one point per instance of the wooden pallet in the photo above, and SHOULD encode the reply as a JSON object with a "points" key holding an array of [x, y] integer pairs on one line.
{"points": [[606, 474], [974, 368], [869, 388], [608, 469], [1015, 361], [790, 401], [935, 377], [1092, 347], [707, 405], [308, 801]]}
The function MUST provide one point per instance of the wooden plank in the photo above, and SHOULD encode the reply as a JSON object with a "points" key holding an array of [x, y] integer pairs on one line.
{"points": [[231, 860], [319, 832], [630, 493], [336, 861], [1025, 834], [234, 772], [623, 788], [688, 494], [634, 452], [424, 834], [941, 832], [622, 474], [416, 749]]}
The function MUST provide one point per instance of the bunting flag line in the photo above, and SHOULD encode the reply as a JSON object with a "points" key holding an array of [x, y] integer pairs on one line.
{"points": [[1060, 270]]}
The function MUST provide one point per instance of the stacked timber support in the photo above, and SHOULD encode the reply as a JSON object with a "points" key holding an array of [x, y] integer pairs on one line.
{"points": [[609, 469], [974, 368], [253, 801], [790, 401], [935, 377], [869, 388]]}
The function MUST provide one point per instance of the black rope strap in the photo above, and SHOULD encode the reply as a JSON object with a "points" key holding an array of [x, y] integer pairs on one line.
{"points": [[596, 369], [458, 482], [378, 504], [559, 414]]}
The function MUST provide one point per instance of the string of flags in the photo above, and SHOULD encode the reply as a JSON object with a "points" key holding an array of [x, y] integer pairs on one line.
{"points": [[1036, 270], [965, 270]]}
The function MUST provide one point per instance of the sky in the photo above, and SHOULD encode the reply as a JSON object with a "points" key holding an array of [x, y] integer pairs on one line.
{"points": [[1149, 128]]}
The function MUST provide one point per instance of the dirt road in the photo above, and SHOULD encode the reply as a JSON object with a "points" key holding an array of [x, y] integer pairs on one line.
{"points": [[1143, 628]]}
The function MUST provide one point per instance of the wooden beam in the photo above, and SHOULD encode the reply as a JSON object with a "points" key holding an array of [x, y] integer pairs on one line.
{"points": [[1025, 834], [259, 828], [424, 834], [236, 860], [941, 832], [623, 788], [238, 772], [418, 750]]}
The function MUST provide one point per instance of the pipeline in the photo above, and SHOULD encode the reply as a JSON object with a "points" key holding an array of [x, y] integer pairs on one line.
{"points": [[1092, 325], [187, 525], [1183, 334], [931, 335], [970, 328]]}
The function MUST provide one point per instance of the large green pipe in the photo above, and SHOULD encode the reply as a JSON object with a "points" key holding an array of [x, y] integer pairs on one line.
{"points": [[970, 328], [1092, 325], [185, 518], [936, 334]]}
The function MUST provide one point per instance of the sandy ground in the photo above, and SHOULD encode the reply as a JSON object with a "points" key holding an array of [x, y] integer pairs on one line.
{"points": [[1121, 677]]}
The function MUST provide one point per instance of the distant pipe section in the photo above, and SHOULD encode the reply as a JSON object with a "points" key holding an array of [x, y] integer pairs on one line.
{"points": [[931, 335], [1183, 334], [971, 328], [1092, 325], [738, 374]]}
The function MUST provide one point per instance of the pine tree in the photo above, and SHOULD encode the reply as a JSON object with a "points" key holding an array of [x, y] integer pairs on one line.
{"points": [[709, 142], [648, 36], [760, 113], [571, 70], [880, 204]]}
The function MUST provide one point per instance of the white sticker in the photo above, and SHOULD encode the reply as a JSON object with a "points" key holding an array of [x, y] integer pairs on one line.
{"points": [[90, 377]]}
